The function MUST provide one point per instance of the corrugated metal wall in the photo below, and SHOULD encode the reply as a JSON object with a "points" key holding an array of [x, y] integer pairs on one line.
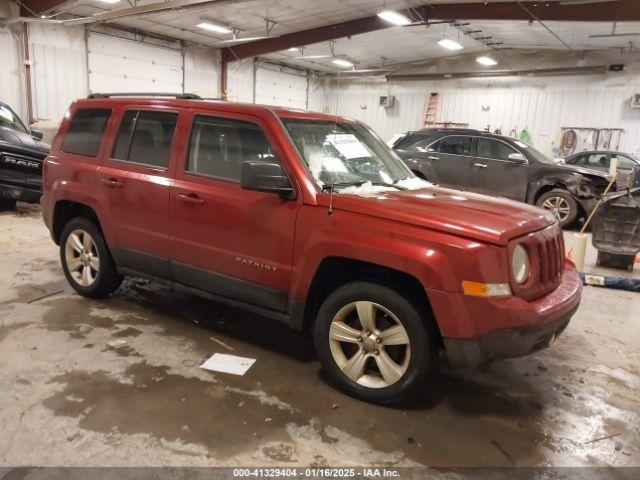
{"points": [[240, 81], [60, 74], [542, 106], [59, 68], [201, 71], [11, 74]]}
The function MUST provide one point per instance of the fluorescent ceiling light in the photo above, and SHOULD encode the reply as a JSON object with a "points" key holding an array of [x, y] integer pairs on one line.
{"points": [[244, 39], [450, 44], [341, 62], [309, 57], [212, 27], [292, 49], [486, 61], [109, 1], [394, 17]]}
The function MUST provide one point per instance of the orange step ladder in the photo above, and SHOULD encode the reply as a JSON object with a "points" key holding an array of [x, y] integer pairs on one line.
{"points": [[431, 113]]}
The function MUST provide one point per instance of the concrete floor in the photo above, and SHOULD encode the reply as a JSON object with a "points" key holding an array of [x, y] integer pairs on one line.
{"points": [[69, 399]]}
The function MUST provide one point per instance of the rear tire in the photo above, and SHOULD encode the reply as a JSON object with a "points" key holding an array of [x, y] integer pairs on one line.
{"points": [[8, 203], [373, 343], [562, 204], [86, 260]]}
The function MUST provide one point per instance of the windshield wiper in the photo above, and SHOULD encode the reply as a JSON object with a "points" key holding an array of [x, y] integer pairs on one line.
{"points": [[359, 183], [385, 184], [331, 186]]}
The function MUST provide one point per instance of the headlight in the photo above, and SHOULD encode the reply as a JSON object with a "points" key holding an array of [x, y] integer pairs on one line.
{"points": [[520, 264]]}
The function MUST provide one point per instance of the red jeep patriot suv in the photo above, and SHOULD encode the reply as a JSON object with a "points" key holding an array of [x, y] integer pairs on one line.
{"points": [[309, 219]]}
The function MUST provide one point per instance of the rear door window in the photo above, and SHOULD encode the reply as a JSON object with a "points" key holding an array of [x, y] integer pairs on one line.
{"points": [[594, 160], [495, 149], [455, 146], [625, 163], [219, 146], [85, 131], [145, 137]]}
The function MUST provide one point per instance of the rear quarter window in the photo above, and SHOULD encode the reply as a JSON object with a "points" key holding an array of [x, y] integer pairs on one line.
{"points": [[85, 131]]}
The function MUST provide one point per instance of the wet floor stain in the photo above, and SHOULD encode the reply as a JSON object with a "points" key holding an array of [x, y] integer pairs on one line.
{"points": [[167, 406]]}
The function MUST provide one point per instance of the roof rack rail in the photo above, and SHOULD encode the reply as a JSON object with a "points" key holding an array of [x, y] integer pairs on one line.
{"points": [[180, 96]]}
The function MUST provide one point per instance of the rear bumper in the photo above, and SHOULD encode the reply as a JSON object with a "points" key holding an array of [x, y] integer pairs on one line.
{"points": [[477, 330]]}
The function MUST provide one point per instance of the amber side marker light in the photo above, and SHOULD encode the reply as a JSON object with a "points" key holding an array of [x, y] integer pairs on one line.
{"points": [[478, 289]]}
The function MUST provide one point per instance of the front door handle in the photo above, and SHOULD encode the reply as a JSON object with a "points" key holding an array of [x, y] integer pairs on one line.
{"points": [[192, 198], [111, 182], [481, 165], [431, 157]]}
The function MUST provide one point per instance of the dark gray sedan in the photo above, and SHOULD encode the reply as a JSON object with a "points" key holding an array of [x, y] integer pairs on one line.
{"points": [[601, 161], [501, 166]]}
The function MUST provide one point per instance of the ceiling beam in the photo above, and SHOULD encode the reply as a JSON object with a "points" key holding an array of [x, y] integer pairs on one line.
{"points": [[611, 11]]}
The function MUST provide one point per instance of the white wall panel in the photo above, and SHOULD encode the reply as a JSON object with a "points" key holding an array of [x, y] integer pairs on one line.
{"points": [[280, 86], [202, 71], [240, 81], [59, 68], [119, 65], [543, 106], [11, 73]]}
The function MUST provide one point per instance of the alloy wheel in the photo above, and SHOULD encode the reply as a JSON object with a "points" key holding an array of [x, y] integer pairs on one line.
{"points": [[369, 344], [558, 206], [81, 255]]}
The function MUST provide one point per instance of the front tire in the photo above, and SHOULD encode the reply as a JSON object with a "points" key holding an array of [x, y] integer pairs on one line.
{"points": [[373, 343], [86, 260], [562, 204]]}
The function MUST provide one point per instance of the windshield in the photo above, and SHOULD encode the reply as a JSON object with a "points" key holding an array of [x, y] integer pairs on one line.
{"points": [[536, 154], [9, 119], [345, 154]]}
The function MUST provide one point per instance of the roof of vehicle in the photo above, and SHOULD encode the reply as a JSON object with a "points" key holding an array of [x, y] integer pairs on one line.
{"points": [[441, 132], [194, 101], [603, 152]]}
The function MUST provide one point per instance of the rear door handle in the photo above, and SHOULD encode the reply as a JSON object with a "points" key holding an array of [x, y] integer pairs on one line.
{"points": [[111, 182], [191, 198], [481, 165]]}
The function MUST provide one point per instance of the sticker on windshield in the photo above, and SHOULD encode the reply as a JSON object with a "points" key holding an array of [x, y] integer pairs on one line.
{"points": [[348, 145]]}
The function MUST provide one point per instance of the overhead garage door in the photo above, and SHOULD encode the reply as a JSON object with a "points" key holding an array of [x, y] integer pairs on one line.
{"points": [[280, 86], [119, 65]]}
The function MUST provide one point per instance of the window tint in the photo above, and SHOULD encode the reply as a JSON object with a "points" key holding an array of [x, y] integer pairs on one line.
{"points": [[9, 119], [218, 146], [426, 146], [85, 131], [145, 137], [489, 148], [455, 145], [625, 163], [597, 160]]}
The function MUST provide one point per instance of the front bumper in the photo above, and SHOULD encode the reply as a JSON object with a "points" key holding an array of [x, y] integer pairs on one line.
{"points": [[20, 193], [476, 330]]}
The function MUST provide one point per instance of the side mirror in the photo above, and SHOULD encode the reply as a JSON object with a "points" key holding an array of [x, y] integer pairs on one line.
{"points": [[266, 177], [517, 157], [37, 134]]}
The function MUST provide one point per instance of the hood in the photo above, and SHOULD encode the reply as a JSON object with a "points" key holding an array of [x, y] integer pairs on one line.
{"points": [[584, 171], [483, 218], [23, 140]]}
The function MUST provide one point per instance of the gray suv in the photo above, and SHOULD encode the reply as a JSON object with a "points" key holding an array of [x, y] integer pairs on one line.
{"points": [[501, 166]]}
